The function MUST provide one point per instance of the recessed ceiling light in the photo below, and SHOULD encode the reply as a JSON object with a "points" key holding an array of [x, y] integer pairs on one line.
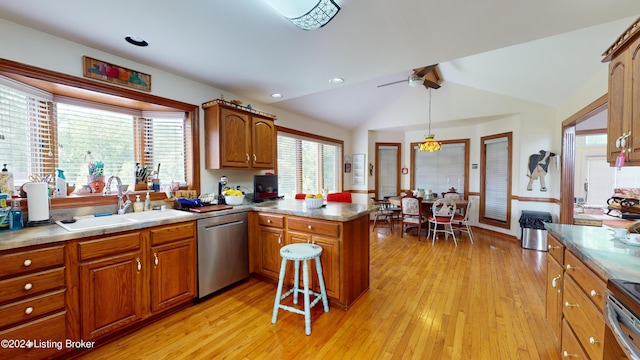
{"points": [[336, 81], [276, 95], [134, 40]]}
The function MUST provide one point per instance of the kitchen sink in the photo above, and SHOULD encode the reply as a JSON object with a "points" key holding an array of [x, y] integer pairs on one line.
{"points": [[104, 222]]}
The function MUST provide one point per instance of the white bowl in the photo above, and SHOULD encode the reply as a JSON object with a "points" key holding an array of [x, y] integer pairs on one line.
{"points": [[234, 200], [314, 203]]}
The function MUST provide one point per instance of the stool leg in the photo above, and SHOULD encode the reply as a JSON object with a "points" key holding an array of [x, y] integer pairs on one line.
{"points": [[307, 311], [323, 290], [296, 281], [276, 303]]}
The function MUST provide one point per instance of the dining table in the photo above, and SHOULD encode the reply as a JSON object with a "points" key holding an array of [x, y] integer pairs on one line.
{"points": [[427, 203]]}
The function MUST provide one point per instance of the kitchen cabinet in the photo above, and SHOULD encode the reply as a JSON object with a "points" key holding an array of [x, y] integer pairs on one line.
{"points": [[127, 277], [344, 259], [555, 275], [237, 138], [624, 96], [32, 300]]}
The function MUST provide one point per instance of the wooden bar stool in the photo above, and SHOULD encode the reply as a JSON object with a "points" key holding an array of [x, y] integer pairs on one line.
{"points": [[297, 253]]}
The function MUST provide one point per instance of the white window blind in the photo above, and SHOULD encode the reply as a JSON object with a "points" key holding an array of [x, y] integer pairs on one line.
{"points": [[496, 181], [26, 134], [387, 160], [164, 143], [307, 165], [440, 170]]}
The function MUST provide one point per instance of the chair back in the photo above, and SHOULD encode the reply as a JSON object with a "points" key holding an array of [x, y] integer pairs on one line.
{"points": [[468, 210], [410, 205], [452, 196], [443, 209], [344, 197], [301, 196]]}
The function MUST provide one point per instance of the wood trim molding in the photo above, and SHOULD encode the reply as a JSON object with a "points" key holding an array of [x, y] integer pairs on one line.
{"points": [[593, 108], [536, 199]]}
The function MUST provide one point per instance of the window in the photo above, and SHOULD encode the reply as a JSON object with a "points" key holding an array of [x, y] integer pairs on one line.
{"points": [[495, 180], [595, 140], [42, 132], [307, 163], [441, 170]]}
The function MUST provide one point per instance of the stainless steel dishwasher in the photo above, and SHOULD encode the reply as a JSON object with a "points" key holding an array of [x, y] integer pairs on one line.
{"points": [[223, 252]]}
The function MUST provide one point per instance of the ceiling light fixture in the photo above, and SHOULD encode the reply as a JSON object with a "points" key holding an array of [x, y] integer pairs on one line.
{"points": [[307, 14], [336, 80], [276, 95], [430, 144], [415, 80], [134, 40]]}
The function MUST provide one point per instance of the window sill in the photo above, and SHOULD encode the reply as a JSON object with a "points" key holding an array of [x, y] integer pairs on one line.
{"points": [[73, 201]]}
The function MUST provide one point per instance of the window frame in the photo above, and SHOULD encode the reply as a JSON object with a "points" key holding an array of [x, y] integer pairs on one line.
{"points": [[310, 136], [466, 143], [483, 174], [85, 89]]}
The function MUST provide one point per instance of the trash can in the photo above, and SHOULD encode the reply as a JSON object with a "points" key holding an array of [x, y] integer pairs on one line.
{"points": [[534, 235]]}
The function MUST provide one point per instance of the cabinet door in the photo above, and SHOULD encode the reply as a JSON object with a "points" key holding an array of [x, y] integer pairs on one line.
{"points": [[235, 139], [110, 293], [330, 260], [270, 241], [173, 274], [554, 296], [618, 75], [634, 102], [263, 141]]}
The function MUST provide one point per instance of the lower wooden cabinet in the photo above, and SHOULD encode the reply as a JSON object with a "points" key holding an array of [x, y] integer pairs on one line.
{"points": [[330, 261], [555, 275], [126, 277], [570, 347], [270, 241]]}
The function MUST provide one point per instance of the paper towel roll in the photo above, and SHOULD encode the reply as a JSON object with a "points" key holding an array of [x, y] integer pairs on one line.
{"points": [[37, 200]]}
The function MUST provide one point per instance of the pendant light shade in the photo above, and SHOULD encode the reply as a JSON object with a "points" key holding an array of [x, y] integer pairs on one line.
{"points": [[306, 14], [430, 144]]}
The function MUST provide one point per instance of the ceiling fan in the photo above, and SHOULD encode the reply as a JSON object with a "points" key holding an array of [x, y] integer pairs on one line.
{"points": [[427, 76]]}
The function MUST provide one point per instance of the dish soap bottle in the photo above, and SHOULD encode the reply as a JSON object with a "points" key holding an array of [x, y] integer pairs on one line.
{"points": [[6, 181], [15, 216], [138, 205], [147, 202], [61, 184]]}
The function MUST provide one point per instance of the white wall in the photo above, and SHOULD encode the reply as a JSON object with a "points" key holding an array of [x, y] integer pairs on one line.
{"points": [[58, 54]]}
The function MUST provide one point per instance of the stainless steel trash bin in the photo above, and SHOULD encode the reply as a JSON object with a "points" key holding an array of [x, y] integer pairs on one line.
{"points": [[533, 234]]}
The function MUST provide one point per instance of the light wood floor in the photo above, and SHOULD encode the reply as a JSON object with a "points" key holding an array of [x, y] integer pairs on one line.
{"points": [[476, 301]]}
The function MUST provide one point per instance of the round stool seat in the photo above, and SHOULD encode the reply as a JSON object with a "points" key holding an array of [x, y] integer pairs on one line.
{"points": [[300, 251]]}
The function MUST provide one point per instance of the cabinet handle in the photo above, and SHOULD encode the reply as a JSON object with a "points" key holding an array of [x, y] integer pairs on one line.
{"points": [[28, 286], [309, 227], [569, 267], [28, 310], [139, 264], [566, 354], [280, 240], [255, 158], [248, 158], [554, 281], [592, 340], [568, 304], [593, 293], [27, 263], [268, 221], [155, 259], [551, 247]]}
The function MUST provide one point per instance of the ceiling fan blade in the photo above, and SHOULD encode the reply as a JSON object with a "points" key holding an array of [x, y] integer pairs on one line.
{"points": [[395, 82], [421, 72], [431, 84]]}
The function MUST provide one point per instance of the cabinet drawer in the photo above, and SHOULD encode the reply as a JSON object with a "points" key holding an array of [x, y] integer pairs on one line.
{"points": [[51, 328], [169, 233], [592, 285], [31, 308], [26, 285], [276, 221], [584, 318], [314, 227], [570, 345], [109, 245], [17, 263], [556, 248]]}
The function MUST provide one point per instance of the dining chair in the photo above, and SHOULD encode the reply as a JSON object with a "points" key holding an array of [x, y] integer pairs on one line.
{"points": [[412, 214], [382, 214], [463, 221], [442, 213], [344, 197], [301, 196]]}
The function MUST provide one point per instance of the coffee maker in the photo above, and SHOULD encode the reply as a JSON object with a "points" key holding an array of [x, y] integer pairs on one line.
{"points": [[221, 186]]}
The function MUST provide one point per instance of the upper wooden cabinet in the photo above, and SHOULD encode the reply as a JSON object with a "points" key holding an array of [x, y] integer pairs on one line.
{"points": [[237, 138], [624, 96]]}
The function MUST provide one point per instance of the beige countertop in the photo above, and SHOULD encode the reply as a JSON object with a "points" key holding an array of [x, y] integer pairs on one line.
{"points": [[47, 234]]}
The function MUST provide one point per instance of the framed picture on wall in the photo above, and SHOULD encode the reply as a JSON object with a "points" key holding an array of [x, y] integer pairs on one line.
{"points": [[358, 169]]}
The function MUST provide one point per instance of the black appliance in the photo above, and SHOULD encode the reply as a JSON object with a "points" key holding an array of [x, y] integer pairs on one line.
{"points": [[622, 315], [265, 187], [221, 186]]}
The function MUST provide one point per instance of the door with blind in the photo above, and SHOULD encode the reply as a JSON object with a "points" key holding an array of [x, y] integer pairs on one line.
{"points": [[387, 169], [495, 180]]}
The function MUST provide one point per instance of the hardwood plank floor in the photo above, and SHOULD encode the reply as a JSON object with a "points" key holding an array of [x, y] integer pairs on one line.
{"points": [[474, 301]]}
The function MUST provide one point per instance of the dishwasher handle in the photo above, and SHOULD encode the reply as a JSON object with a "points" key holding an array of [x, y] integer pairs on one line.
{"points": [[217, 226]]}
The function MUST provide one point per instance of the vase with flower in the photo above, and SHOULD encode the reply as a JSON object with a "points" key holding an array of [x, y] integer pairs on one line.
{"points": [[95, 179]]}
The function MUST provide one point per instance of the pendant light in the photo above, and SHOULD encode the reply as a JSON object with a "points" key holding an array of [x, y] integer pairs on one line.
{"points": [[307, 14], [430, 144]]}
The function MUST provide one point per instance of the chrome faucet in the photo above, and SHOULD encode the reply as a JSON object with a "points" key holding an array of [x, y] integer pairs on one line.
{"points": [[122, 204]]}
